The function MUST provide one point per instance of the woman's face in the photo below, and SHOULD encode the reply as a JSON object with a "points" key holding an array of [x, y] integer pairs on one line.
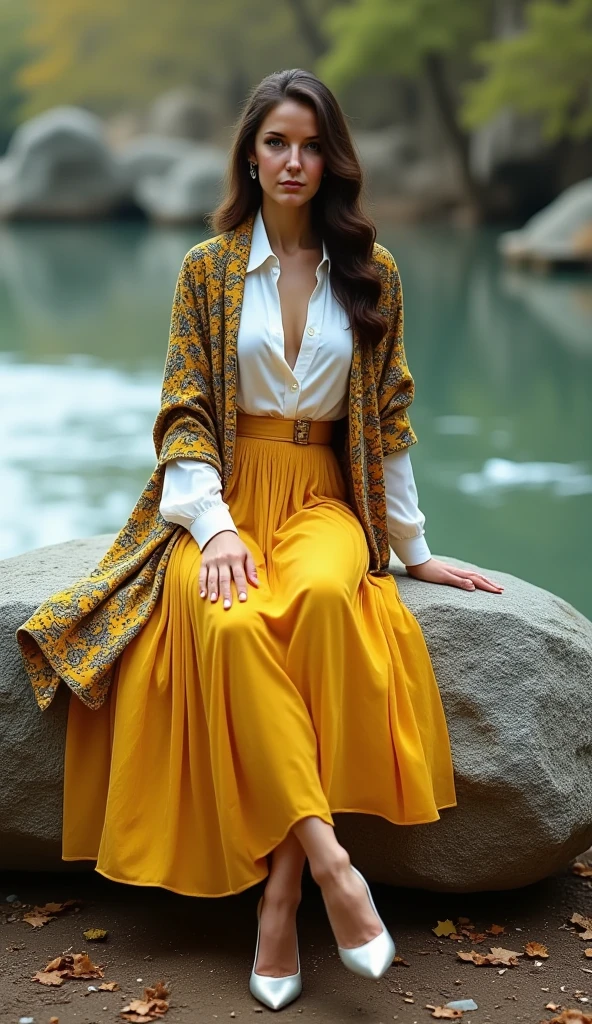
{"points": [[287, 147]]}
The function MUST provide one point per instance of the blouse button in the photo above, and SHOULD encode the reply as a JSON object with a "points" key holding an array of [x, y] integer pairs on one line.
{"points": [[294, 387], [311, 330]]}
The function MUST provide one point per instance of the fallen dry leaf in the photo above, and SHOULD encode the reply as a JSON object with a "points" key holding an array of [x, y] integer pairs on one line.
{"points": [[444, 1012], [444, 928], [507, 957], [153, 1005], [553, 1006], [71, 965], [474, 957], [498, 955], [109, 986], [585, 923], [399, 960], [571, 1016], [37, 920], [39, 916], [48, 978], [536, 949], [496, 929], [579, 868]]}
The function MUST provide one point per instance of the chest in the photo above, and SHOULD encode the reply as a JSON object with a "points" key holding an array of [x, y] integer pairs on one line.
{"points": [[297, 286]]}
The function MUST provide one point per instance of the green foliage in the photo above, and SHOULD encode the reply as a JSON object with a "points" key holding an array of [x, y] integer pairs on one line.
{"points": [[394, 36], [545, 70], [13, 53], [114, 55]]}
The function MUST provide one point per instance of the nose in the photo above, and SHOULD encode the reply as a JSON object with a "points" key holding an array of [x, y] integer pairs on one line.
{"points": [[293, 161]]}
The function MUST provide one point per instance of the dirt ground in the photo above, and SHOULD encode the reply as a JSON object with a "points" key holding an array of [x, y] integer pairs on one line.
{"points": [[202, 951]]}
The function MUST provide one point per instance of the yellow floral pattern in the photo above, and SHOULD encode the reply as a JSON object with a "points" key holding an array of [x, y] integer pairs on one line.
{"points": [[77, 634]]}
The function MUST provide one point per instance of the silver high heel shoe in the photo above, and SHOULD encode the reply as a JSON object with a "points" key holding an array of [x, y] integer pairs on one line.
{"points": [[274, 992], [373, 958]]}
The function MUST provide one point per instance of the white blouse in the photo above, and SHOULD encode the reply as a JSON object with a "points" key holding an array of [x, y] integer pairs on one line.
{"points": [[317, 389]]}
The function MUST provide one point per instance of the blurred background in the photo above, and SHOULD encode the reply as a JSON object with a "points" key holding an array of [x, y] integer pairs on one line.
{"points": [[473, 122]]}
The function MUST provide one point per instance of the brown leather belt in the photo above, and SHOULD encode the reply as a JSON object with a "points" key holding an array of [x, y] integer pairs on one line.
{"points": [[277, 428]]}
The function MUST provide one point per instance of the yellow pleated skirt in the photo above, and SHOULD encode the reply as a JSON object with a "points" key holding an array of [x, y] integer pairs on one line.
{"points": [[222, 728]]}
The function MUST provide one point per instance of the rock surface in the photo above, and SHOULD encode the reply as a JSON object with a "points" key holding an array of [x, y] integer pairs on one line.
{"points": [[59, 164], [514, 672], [188, 190], [561, 231], [149, 156], [185, 113]]}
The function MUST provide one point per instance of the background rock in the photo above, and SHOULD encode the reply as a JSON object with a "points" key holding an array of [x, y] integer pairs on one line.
{"points": [[514, 672], [59, 164], [151, 156], [561, 231], [188, 190], [184, 113]]}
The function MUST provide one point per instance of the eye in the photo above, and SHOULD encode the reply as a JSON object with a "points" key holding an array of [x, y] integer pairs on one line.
{"points": [[317, 144], [268, 142]]}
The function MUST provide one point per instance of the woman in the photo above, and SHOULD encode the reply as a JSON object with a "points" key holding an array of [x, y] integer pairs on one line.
{"points": [[244, 663]]}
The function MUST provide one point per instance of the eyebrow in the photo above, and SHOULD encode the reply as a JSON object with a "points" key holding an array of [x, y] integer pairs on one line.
{"points": [[272, 131]]}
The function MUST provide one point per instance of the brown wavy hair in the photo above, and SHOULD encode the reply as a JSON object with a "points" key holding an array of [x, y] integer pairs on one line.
{"points": [[336, 212]]}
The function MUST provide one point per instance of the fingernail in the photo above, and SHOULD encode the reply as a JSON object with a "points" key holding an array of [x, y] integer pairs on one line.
{"points": [[202, 593], [226, 603], [213, 596], [242, 596]]}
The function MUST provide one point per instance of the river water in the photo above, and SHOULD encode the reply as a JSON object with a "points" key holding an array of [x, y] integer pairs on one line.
{"points": [[502, 361]]}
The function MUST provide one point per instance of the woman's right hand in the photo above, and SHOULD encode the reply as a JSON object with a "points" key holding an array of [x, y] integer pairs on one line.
{"points": [[224, 557]]}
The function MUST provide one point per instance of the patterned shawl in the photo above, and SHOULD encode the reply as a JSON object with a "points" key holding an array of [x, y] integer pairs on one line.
{"points": [[78, 633]]}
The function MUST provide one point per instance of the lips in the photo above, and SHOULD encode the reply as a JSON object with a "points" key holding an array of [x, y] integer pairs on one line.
{"points": [[299, 183]]}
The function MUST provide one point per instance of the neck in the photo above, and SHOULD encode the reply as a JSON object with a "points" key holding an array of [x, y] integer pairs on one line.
{"points": [[288, 229]]}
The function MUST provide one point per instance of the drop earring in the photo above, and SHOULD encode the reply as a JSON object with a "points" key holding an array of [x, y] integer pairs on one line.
{"points": [[252, 170]]}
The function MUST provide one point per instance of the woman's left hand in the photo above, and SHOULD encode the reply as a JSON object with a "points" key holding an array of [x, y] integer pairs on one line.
{"points": [[434, 571]]}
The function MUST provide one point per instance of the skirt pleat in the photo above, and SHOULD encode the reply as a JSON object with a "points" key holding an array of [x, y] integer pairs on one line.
{"points": [[222, 728]]}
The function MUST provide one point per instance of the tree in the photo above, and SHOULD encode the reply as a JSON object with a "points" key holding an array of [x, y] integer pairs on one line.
{"points": [[13, 53], [112, 55], [545, 70], [410, 38]]}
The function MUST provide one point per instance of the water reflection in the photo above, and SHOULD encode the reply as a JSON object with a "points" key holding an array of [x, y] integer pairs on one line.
{"points": [[501, 362]]}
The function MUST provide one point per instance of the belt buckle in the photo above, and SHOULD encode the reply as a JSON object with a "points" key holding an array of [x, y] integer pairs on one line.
{"points": [[301, 431]]}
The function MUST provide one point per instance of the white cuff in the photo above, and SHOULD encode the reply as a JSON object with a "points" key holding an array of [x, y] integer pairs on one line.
{"points": [[413, 551], [211, 522]]}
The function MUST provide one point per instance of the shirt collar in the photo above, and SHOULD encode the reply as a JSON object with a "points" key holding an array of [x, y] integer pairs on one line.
{"points": [[261, 249]]}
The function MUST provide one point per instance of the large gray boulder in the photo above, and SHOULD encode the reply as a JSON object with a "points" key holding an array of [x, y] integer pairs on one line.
{"points": [[59, 164], [188, 190], [150, 156], [184, 113], [515, 674], [561, 231]]}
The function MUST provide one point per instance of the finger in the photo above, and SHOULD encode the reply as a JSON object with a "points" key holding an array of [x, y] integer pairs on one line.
{"points": [[240, 580], [476, 576], [225, 589], [213, 582], [499, 586], [454, 579], [480, 576], [252, 569], [202, 579], [484, 584]]}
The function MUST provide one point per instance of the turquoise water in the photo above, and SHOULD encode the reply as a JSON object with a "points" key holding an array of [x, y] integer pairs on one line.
{"points": [[502, 361]]}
